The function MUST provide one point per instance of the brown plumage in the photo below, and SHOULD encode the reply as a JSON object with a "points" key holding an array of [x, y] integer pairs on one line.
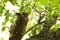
{"points": [[17, 31]]}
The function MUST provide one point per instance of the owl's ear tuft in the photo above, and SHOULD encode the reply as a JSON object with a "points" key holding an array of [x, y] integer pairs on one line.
{"points": [[18, 14]]}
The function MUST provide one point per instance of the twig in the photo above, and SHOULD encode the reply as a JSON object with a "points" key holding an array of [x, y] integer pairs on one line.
{"points": [[37, 23], [34, 26], [40, 12]]}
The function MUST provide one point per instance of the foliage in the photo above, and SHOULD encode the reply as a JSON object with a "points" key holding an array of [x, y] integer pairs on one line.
{"points": [[3, 28], [52, 8]]}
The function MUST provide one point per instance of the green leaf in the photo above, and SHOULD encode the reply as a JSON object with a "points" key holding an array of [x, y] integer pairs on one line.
{"points": [[48, 19], [0, 14], [59, 7], [12, 21], [3, 28], [5, 21], [28, 10], [1, 38], [7, 15], [39, 28], [32, 3], [43, 2], [54, 3], [1, 9], [22, 3], [21, 9], [55, 13], [4, 1], [55, 27], [29, 34], [33, 31]]}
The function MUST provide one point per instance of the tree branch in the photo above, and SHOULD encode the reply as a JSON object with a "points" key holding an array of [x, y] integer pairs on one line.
{"points": [[38, 21]]}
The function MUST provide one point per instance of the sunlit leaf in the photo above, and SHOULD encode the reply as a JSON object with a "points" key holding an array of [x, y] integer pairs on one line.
{"points": [[7, 14], [48, 19], [39, 28], [0, 14], [1, 9], [43, 2], [33, 31], [3, 28], [4, 1], [55, 14], [32, 3], [21, 9], [1, 38], [28, 10], [55, 27], [29, 34], [12, 21], [22, 3]]}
